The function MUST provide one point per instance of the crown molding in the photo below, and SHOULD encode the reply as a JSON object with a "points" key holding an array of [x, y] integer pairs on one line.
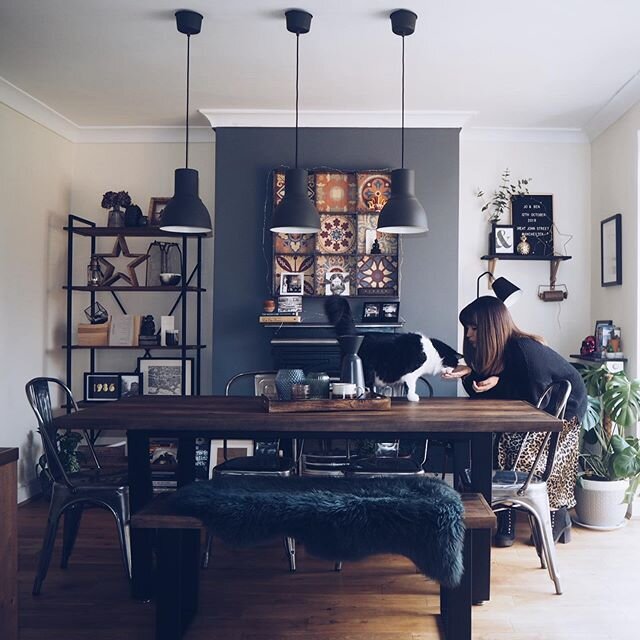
{"points": [[506, 134], [336, 119], [621, 101], [32, 108]]}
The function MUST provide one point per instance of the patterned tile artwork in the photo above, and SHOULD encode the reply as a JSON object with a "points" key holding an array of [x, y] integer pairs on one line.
{"points": [[374, 190], [337, 234], [335, 192], [368, 222], [298, 243], [338, 259], [294, 264], [327, 266], [278, 187], [377, 275]]}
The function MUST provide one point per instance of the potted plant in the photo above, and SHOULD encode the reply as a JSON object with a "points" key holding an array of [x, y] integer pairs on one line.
{"points": [[610, 459], [70, 459], [113, 200]]}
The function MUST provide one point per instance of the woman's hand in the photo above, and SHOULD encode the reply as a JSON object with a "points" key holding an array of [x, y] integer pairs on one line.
{"points": [[484, 385], [459, 372]]}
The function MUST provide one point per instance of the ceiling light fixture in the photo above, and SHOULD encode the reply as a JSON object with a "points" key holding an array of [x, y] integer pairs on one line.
{"points": [[295, 213], [403, 213], [185, 212]]}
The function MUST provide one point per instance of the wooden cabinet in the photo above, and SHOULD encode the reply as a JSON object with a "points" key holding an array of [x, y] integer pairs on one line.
{"points": [[8, 545]]}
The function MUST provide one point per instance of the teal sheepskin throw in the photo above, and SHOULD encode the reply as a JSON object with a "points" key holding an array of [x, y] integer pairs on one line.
{"points": [[338, 518]]}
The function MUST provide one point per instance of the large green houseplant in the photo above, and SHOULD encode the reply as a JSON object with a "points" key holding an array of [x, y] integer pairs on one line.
{"points": [[609, 454]]}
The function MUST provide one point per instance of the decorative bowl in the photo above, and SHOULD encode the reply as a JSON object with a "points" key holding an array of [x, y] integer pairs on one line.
{"points": [[170, 279]]}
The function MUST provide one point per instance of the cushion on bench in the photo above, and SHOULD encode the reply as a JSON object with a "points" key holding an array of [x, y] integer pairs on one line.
{"points": [[338, 518]]}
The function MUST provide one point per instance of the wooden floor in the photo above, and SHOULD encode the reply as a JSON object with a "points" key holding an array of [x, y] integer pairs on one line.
{"points": [[249, 594]]}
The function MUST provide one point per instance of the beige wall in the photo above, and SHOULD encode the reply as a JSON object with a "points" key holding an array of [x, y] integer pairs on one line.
{"points": [[614, 189], [35, 188]]}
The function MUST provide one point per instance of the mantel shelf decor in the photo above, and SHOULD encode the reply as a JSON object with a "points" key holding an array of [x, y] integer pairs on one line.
{"points": [[348, 256]]}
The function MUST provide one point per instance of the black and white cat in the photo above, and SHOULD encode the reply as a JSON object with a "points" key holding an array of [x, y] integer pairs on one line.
{"points": [[388, 358]]}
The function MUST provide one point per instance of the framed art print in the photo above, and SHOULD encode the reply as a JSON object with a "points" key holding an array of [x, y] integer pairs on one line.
{"points": [[503, 238], [101, 387], [390, 311], [163, 376], [611, 251], [371, 312]]}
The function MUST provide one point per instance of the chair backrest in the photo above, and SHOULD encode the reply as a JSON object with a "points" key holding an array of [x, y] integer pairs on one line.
{"points": [[39, 396], [262, 447], [554, 401]]}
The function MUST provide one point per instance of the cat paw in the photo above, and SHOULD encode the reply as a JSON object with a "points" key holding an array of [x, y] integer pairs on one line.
{"points": [[413, 397]]}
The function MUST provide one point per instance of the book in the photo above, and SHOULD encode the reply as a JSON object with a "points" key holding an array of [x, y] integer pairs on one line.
{"points": [[93, 335], [280, 319], [121, 333], [280, 313]]}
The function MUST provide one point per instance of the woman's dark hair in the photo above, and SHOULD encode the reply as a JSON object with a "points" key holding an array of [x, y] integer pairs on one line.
{"points": [[494, 328]]}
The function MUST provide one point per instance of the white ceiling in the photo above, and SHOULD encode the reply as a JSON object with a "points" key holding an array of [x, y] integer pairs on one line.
{"points": [[506, 63]]}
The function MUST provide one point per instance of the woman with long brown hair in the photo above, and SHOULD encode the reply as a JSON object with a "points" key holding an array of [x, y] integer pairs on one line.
{"points": [[506, 363]]}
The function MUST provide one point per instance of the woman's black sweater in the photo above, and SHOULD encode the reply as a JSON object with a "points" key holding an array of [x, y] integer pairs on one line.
{"points": [[529, 367]]}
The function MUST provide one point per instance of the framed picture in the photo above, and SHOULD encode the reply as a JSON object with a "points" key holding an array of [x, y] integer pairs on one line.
{"points": [[163, 376], [292, 283], [130, 384], [371, 312], [390, 311], [235, 449], [611, 251], [101, 387], [156, 206], [603, 332], [532, 216], [503, 235], [337, 284]]}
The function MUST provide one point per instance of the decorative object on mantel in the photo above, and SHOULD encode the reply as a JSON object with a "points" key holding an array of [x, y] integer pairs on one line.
{"points": [[295, 213], [185, 212], [148, 337], [504, 289], [110, 274], [523, 248], [403, 213], [94, 272], [113, 200], [96, 313]]}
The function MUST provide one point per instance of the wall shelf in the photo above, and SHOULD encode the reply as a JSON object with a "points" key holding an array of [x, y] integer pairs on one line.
{"points": [[113, 232], [164, 289]]}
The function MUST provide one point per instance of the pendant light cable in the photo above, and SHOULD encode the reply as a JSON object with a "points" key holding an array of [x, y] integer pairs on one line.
{"points": [[186, 124], [297, 90], [402, 145]]}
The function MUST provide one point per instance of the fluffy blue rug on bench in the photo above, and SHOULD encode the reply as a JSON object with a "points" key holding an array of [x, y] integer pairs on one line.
{"points": [[338, 518]]}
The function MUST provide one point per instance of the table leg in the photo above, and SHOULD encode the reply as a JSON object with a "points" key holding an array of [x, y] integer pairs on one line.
{"points": [[481, 473], [140, 493], [186, 460]]}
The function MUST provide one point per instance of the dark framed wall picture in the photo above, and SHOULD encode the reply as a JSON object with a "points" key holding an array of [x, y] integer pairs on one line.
{"points": [[390, 311], [371, 312], [101, 387], [503, 235], [163, 376], [611, 251], [156, 207]]}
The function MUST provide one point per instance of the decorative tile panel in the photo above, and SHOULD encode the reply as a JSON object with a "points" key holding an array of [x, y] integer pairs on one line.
{"points": [[374, 190], [377, 276], [294, 264], [336, 192], [296, 243], [367, 225], [337, 234], [328, 266]]}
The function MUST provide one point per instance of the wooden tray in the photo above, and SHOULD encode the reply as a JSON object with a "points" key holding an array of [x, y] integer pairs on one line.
{"points": [[370, 403]]}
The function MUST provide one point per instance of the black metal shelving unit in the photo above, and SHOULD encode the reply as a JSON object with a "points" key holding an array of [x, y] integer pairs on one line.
{"points": [[192, 284]]}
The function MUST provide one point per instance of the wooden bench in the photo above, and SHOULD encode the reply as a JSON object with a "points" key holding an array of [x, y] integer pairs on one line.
{"points": [[178, 554]]}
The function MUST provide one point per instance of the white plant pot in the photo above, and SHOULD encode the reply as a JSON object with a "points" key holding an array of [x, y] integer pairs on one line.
{"points": [[600, 502]]}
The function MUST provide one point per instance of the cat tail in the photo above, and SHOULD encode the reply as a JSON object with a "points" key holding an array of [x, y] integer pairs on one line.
{"points": [[338, 311]]}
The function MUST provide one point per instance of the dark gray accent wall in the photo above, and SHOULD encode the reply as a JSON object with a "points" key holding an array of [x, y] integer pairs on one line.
{"points": [[245, 158]]}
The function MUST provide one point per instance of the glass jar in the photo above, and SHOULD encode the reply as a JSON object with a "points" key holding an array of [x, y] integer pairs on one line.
{"points": [[318, 382], [285, 379]]}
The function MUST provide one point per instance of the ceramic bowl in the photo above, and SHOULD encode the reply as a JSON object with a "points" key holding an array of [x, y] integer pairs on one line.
{"points": [[170, 279]]}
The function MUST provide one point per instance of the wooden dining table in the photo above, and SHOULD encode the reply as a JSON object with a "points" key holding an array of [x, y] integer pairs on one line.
{"points": [[468, 423]]}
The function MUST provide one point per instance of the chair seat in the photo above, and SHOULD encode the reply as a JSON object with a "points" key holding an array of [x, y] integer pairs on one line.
{"points": [[99, 477], [503, 480], [257, 464], [384, 465]]}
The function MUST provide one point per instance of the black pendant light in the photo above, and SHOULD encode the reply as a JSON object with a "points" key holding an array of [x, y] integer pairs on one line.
{"points": [[295, 213], [403, 213], [185, 212], [504, 289]]}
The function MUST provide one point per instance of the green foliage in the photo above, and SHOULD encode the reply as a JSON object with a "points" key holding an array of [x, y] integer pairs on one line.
{"points": [[501, 199], [614, 405], [67, 446]]}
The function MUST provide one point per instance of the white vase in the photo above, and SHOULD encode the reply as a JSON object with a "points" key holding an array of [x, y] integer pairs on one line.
{"points": [[600, 502]]}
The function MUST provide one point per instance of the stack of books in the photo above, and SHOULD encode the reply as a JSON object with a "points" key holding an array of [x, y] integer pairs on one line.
{"points": [[280, 317], [93, 335], [163, 458]]}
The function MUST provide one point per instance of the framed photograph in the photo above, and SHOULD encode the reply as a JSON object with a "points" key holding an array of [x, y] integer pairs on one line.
{"points": [[101, 387], [130, 384], [292, 283], [337, 284], [603, 332], [503, 235], [371, 312], [156, 206], [390, 311], [235, 449], [163, 376], [611, 251]]}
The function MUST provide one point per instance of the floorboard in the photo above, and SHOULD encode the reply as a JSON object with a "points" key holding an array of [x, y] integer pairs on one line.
{"points": [[248, 594]]}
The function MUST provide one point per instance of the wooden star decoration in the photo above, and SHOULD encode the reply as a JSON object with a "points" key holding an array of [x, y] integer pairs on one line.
{"points": [[109, 271]]}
